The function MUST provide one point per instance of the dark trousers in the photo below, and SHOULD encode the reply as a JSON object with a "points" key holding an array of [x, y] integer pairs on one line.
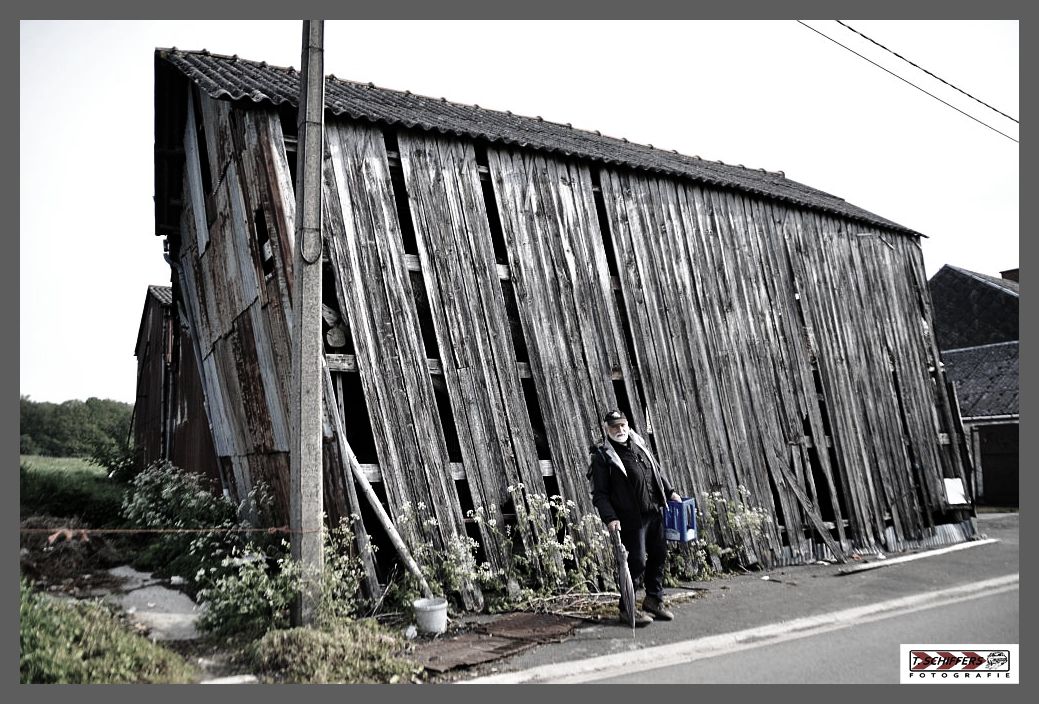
{"points": [[647, 552]]}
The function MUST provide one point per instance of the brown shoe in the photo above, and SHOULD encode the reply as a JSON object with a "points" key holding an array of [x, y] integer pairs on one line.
{"points": [[641, 618], [656, 607]]}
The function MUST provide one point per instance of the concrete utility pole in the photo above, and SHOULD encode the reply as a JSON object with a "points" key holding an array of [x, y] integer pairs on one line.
{"points": [[306, 495]]}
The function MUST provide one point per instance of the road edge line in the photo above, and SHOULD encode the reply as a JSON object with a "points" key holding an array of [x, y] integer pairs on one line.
{"points": [[672, 653]]}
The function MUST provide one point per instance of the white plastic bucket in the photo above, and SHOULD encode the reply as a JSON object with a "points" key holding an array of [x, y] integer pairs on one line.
{"points": [[431, 614]]}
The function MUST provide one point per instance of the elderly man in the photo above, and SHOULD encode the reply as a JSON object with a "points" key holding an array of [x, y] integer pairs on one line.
{"points": [[628, 490]]}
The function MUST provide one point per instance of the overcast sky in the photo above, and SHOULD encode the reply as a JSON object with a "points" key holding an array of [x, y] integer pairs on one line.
{"points": [[771, 95]]}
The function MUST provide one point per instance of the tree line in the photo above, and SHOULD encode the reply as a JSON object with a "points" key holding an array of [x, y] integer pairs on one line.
{"points": [[73, 428]]}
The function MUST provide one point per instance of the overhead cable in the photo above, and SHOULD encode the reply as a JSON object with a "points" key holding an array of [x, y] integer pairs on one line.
{"points": [[985, 124], [977, 100]]}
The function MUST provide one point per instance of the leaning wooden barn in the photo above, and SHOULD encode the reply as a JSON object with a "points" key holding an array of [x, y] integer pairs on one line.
{"points": [[493, 283]]}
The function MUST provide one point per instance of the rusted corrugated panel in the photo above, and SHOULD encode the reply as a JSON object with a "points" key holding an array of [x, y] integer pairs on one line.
{"points": [[242, 313], [373, 289]]}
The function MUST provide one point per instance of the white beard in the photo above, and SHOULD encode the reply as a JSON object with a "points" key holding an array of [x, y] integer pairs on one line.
{"points": [[620, 436]]}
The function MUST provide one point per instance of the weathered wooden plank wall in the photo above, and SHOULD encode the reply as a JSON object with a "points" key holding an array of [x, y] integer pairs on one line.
{"points": [[462, 285], [372, 284], [567, 311], [238, 312], [780, 357]]}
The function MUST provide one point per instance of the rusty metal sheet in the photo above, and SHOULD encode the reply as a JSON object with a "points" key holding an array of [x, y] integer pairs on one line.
{"points": [[540, 628], [469, 649]]}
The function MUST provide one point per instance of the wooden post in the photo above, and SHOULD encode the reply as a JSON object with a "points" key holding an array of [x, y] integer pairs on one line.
{"points": [[306, 499]]}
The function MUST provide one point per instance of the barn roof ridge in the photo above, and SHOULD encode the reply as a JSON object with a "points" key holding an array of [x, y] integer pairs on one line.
{"points": [[235, 78]]}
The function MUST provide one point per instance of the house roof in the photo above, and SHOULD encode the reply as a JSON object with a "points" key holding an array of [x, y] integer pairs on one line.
{"points": [[973, 309], [239, 79], [986, 379], [1005, 285], [164, 294]]}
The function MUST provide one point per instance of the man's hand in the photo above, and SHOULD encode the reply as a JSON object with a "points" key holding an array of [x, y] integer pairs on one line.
{"points": [[614, 525], [675, 496]]}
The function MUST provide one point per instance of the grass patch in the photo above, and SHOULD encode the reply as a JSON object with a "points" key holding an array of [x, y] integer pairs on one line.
{"points": [[85, 643], [66, 465], [69, 486], [350, 652]]}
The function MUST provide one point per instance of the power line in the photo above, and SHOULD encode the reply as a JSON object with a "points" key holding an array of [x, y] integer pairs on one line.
{"points": [[985, 124], [977, 100]]}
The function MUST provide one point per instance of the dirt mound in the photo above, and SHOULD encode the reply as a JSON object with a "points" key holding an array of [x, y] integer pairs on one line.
{"points": [[62, 551]]}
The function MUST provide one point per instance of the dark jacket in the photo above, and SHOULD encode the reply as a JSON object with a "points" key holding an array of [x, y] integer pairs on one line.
{"points": [[612, 493]]}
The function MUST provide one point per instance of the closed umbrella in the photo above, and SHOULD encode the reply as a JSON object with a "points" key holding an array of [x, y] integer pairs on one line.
{"points": [[624, 584]]}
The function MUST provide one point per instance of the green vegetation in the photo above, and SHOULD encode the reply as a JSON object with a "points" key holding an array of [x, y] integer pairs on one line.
{"points": [[348, 652], [68, 487], [245, 580], [73, 428], [84, 642], [164, 496]]}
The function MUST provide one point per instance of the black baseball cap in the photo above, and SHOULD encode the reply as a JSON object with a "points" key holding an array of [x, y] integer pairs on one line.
{"points": [[614, 417]]}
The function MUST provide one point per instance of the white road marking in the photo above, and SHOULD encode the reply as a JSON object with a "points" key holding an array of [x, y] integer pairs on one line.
{"points": [[916, 556], [711, 646]]}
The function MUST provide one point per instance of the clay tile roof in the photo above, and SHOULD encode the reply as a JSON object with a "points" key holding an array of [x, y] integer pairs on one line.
{"points": [[241, 79]]}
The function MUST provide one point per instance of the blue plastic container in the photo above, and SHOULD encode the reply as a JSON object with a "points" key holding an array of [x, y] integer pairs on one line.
{"points": [[680, 521]]}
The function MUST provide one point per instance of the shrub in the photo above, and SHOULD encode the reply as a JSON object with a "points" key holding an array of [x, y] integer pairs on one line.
{"points": [[164, 496], [83, 642], [249, 598], [254, 592], [349, 652], [117, 458]]}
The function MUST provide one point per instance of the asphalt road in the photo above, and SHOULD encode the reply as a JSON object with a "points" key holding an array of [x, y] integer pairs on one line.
{"points": [[863, 654], [749, 602]]}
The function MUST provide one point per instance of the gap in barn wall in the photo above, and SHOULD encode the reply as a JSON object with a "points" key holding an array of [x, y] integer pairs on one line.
{"points": [[387, 562], [604, 222], [203, 158], [826, 444], [400, 195], [520, 350], [620, 386], [472, 528], [425, 317], [358, 427], [825, 503], [287, 115], [447, 419], [430, 344], [519, 345], [501, 253], [263, 243], [335, 328], [621, 392]]}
